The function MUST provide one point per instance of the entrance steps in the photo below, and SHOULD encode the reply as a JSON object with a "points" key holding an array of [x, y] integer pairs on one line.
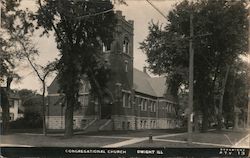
{"points": [[100, 125]]}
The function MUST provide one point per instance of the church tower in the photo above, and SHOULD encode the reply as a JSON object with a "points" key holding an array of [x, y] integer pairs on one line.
{"points": [[119, 55]]}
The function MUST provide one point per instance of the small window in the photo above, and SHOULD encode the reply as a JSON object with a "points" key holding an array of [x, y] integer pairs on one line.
{"points": [[128, 125], [123, 125], [11, 102], [11, 116]]}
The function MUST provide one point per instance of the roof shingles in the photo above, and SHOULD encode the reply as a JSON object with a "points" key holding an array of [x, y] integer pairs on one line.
{"points": [[154, 86], [143, 83]]}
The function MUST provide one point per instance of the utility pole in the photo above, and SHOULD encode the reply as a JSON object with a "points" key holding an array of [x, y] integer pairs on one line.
{"points": [[248, 111], [191, 81], [0, 14]]}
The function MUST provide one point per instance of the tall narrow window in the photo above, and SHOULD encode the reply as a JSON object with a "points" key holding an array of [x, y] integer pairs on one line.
{"points": [[129, 101], [141, 104], [126, 46], [126, 65], [146, 104], [124, 99]]}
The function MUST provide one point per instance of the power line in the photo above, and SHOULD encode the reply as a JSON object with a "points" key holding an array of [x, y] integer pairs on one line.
{"points": [[158, 10], [90, 15]]}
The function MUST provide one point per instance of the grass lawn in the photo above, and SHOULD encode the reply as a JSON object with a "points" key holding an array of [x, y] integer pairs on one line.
{"points": [[216, 137], [91, 139], [57, 141], [167, 144], [138, 133]]}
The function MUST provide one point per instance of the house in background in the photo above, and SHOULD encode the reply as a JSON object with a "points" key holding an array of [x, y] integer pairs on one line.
{"points": [[16, 109], [138, 101]]}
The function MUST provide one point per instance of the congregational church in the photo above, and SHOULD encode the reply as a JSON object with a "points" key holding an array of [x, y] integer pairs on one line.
{"points": [[139, 100]]}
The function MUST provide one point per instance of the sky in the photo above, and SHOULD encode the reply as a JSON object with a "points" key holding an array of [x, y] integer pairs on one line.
{"points": [[138, 10]]}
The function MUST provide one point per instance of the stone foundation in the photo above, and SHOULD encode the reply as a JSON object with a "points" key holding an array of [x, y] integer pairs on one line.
{"points": [[140, 123], [124, 122], [166, 123], [58, 122]]}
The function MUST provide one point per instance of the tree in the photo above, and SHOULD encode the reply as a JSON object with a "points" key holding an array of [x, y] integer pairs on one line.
{"points": [[42, 72], [31, 101], [237, 89], [12, 20], [80, 29], [220, 30]]}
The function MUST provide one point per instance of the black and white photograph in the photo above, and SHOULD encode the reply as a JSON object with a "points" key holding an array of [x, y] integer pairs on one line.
{"points": [[103, 76]]}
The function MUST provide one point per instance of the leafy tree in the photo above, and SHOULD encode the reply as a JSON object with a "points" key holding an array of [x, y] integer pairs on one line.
{"points": [[29, 52], [12, 20], [31, 101], [237, 90], [220, 30], [80, 29]]}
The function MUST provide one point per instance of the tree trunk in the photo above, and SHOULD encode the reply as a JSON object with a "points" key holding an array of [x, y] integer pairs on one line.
{"points": [[205, 113], [5, 112], [44, 111], [196, 123], [220, 124], [5, 107], [69, 114], [205, 122]]}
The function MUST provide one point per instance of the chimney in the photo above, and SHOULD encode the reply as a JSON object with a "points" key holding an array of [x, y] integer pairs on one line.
{"points": [[131, 22], [144, 69]]}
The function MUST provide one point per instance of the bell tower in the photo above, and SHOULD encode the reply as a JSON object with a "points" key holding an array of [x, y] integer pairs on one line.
{"points": [[119, 56]]}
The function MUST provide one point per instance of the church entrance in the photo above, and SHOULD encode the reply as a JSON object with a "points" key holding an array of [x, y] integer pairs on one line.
{"points": [[106, 111]]}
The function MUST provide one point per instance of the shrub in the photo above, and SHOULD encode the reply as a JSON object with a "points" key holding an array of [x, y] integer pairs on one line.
{"points": [[30, 120]]}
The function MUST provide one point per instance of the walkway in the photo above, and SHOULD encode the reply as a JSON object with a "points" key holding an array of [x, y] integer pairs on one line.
{"points": [[243, 143]]}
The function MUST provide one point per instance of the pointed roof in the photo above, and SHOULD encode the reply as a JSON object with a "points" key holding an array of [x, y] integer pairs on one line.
{"points": [[154, 86], [54, 86], [143, 83]]}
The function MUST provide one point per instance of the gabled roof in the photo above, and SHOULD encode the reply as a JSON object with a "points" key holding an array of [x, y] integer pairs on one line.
{"points": [[154, 86], [54, 86], [143, 83]]}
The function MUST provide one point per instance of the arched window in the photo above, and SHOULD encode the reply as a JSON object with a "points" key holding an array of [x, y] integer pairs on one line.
{"points": [[106, 47], [125, 46]]}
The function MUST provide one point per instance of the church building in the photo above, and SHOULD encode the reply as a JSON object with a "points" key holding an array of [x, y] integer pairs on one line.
{"points": [[139, 100]]}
